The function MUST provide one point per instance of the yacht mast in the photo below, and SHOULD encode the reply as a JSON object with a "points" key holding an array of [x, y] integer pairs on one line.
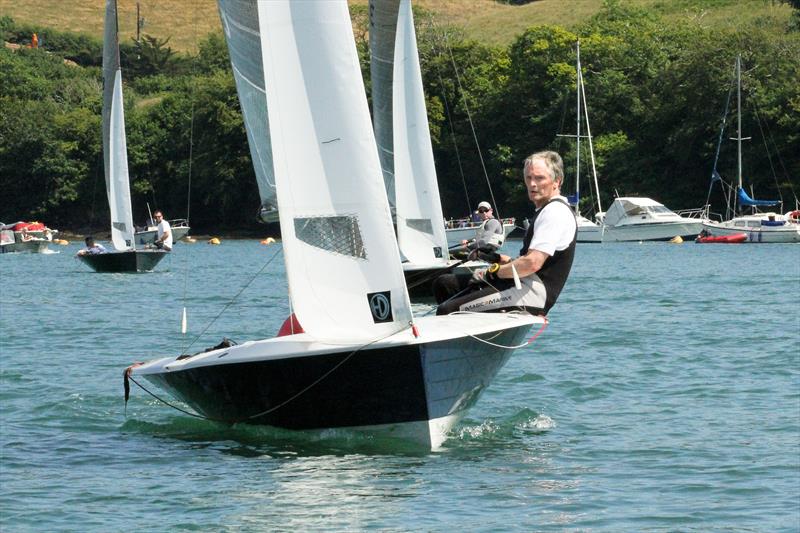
{"points": [[739, 114], [578, 130]]}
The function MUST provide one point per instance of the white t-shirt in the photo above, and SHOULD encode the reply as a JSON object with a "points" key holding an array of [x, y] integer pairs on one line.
{"points": [[554, 228], [164, 227]]}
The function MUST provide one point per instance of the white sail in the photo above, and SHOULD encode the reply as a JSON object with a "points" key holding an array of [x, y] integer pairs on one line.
{"points": [[382, 28], [115, 152], [420, 228], [342, 261], [243, 35]]}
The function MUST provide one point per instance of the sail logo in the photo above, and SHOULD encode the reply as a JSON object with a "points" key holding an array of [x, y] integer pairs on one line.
{"points": [[380, 304], [437, 252]]}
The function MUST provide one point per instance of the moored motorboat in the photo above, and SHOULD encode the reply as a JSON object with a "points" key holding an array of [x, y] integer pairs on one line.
{"points": [[147, 235], [25, 237]]}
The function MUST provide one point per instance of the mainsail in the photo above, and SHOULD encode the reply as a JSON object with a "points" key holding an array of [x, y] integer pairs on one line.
{"points": [[420, 222], [114, 144], [243, 35], [343, 266]]}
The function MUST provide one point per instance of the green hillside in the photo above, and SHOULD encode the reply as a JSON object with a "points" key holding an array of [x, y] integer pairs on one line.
{"points": [[490, 21], [657, 74]]}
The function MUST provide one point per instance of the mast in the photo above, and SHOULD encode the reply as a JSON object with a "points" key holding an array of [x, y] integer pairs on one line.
{"points": [[578, 130], [591, 147], [739, 114]]}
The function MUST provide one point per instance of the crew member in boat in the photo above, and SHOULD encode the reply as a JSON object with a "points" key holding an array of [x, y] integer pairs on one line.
{"points": [[164, 239], [489, 234], [545, 258], [92, 248]]}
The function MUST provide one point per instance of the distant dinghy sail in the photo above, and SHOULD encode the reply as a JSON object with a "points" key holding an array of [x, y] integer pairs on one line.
{"points": [[115, 148]]}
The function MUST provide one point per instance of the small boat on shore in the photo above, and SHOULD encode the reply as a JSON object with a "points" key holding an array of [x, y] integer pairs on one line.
{"points": [[733, 238]]}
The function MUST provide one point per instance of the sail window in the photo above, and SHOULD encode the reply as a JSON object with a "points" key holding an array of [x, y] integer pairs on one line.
{"points": [[423, 225], [337, 234]]}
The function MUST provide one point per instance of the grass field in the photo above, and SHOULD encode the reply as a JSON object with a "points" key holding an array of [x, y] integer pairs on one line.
{"points": [[187, 21]]}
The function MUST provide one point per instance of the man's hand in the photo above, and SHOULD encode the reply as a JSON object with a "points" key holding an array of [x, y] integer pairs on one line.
{"points": [[478, 275]]}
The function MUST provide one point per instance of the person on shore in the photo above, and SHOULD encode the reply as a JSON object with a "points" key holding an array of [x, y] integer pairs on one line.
{"points": [[164, 239], [545, 259], [92, 248], [489, 236]]}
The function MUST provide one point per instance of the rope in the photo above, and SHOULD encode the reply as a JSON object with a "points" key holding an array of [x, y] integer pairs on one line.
{"points": [[233, 299], [189, 178], [271, 409], [719, 143], [472, 126], [165, 402], [526, 343], [450, 124]]}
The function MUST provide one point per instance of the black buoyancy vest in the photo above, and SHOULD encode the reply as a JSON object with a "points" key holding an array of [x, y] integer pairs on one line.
{"points": [[556, 268]]}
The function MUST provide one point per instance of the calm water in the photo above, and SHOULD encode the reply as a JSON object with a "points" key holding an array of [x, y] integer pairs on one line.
{"points": [[664, 396]]}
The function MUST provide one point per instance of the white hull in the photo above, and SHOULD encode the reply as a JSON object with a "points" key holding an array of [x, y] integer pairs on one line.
{"points": [[789, 232], [456, 235], [660, 231], [32, 246], [588, 231], [148, 236]]}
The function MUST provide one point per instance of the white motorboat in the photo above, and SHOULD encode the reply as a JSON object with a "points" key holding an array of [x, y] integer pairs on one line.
{"points": [[352, 354], [25, 237], [643, 219], [179, 227], [464, 229]]}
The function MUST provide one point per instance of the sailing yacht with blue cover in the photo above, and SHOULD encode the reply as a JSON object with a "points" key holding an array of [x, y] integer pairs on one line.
{"points": [[758, 226], [354, 356]]}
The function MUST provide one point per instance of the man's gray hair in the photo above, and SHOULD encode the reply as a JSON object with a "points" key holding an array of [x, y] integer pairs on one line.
{"points": [[552, 161]]}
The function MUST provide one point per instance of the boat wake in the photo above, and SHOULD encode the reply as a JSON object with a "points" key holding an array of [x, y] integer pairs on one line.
{"points": [[523, 422]]}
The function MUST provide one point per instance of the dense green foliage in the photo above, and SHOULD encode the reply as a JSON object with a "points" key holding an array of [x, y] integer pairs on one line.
{"points": [[656, 94]]}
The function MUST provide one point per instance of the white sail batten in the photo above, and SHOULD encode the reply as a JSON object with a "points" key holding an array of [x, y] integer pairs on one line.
{"points": [[343, 265], [114, 142], [243, 36], [420, 228]]}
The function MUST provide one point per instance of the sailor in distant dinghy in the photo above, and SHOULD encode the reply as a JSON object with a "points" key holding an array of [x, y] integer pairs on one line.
{"points": [[533, 281]]}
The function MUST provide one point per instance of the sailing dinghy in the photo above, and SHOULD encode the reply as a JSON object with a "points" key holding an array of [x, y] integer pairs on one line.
{"points": [[125, 257], [400, 120], [358, 358]]}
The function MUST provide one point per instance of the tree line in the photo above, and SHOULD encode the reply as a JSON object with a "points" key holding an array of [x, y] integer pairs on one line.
{"points": [[656, 93]]}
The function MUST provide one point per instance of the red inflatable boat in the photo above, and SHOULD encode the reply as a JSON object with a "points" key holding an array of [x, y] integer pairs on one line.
{"points": [[730, 239]]}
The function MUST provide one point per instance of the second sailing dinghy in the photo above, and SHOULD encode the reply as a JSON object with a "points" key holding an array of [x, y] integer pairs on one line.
{"points": [[125, 257], [356, 356], [404, 146]]}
